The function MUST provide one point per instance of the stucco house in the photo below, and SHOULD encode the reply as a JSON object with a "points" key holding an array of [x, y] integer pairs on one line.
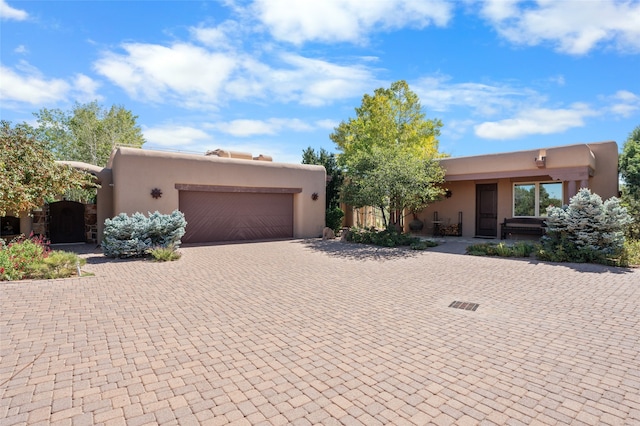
{"points": [[483, 190], [229, 196], [225, 196]]}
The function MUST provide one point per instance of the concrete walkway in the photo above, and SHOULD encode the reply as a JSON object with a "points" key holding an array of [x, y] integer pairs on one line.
{"points": [[321, 332]]}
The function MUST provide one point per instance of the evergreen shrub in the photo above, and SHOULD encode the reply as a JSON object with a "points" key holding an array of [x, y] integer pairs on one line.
{"points": [[136, 235], [333, 218], [588, 230]]}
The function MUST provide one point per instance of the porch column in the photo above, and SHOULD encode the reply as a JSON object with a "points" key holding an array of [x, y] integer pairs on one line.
{"points": [[571, 187], [584, 183], [26, 224]]}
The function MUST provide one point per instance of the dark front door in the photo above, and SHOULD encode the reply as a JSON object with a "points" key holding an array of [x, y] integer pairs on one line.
{"points": [[487, 210], [66, 222]]}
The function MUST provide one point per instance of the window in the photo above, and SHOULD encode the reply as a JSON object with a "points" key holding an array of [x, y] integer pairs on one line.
{"points": [[532, 199]]}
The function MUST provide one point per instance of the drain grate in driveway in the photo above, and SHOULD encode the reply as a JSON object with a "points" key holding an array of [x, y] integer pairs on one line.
{"points": [[467, 306]]}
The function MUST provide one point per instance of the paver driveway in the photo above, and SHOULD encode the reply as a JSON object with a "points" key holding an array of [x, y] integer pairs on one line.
{"points": [[312, 332]]}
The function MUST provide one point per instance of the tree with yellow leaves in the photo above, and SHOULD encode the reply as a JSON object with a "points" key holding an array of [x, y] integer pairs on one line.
{"points": [[389, 153]]}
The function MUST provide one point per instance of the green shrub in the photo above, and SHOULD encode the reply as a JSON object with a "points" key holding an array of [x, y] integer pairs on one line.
{"points": [[164, 254], [333, 218], [523, 249], [18, 257], [632, 203], [59, 264], [134, 236], [518, 249], [422, 245], [31, 258], [389, 237], [585, 231], [631, 255]]}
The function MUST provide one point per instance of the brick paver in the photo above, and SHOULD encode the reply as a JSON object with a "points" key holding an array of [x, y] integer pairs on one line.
{"points": [[312, 332]]}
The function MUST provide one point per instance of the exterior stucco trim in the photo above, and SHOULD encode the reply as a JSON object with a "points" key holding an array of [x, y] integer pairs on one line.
{"points": [[575, 173], [224, 188]]}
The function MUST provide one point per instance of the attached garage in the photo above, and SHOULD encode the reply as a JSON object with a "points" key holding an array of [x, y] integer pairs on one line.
{"points": [[222, 198], [221, 213]]}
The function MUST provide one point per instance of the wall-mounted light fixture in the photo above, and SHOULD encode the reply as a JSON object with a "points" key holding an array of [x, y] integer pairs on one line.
{"points": [[448, 193], [541, 159], [156, 193], [314, 196]]}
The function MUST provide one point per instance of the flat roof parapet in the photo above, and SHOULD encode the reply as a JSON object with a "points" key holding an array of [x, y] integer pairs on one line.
{"points": [[238, 155]]}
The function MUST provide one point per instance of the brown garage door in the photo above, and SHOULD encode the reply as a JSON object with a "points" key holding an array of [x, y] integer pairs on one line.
{"points": [[223, 216]]}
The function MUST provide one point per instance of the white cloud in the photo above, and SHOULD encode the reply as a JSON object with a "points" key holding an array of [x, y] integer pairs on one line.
{"points": [[315, 82], [525, 109], [558, 80], [85, 89], [191, 75], [25, 84], [456, 129], [244, 128], [21, 49], [327, 124], [539, 121], [196, 77], [499, 10], [346, 20], [9, 13], [174, 136], [624, 103], [30, 86], [574, 27], [437, 94], [219, 37]]}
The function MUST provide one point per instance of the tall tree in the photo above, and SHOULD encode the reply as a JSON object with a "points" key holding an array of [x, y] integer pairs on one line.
{"points": [[630, 172], [630, 162], [88, 132], [334, 173], [389, 153], [29, 175]]}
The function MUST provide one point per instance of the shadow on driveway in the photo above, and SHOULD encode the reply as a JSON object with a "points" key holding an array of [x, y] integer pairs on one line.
{"points": [[355, 251], [592, 268]]}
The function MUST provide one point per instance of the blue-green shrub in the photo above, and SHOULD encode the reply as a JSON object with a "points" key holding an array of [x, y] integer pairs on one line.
{"points": [[134, 236], [587, 230]]}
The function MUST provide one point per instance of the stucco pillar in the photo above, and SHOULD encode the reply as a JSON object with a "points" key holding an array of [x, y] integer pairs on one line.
{"points": [[26, 224], [104, 201], [571, 186], [584, 183]]}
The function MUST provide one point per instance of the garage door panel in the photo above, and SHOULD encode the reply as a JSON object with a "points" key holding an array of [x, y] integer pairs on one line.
{"points": [[215, 216]]}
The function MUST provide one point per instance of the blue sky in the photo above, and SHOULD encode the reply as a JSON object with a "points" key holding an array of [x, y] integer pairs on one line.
{"points": [[276, 76]]}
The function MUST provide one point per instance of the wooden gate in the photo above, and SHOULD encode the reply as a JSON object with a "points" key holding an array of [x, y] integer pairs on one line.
{"points": [[66, 222]]}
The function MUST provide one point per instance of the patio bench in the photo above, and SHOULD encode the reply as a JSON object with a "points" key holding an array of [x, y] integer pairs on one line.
{"points": [[522, 225]]}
